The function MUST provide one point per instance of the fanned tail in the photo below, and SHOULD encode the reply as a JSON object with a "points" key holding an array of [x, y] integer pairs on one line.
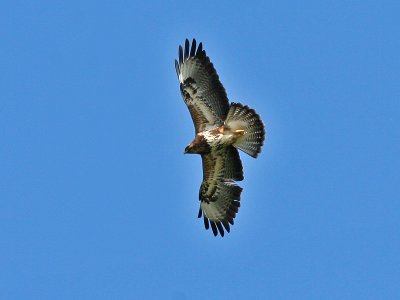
{"points": [[245, 121]]}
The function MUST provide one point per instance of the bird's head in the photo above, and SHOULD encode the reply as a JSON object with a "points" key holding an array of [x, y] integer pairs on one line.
{"points": [[189, 149], [198, 146]]}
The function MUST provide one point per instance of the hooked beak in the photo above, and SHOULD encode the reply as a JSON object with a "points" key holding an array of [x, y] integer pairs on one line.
{"points": [[186, 149]]}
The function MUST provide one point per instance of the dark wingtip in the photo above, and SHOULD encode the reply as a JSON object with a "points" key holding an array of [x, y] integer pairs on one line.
{"points": [[186, 49], [214, 228], [206, 223], [193, 49], [177, 67], [180, 55], [200, 213], [199, 49], [226, 225], [220, 229], [234, 209], [231, 213]]}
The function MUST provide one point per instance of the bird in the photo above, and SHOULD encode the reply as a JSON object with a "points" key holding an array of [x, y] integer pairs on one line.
{"points": [[221, 129]]}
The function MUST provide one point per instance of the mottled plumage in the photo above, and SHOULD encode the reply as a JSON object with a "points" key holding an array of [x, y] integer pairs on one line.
{"points": [[220, 129]]}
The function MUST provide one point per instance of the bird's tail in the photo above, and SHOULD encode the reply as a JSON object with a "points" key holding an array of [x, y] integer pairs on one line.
{"points": [[246, 123]]}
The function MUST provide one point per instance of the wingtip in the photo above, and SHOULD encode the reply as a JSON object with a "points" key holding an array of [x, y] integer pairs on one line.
{"points": [[226, 225], [199, 49], [220, 229], [206, 223], [189, 50], [193, 49], [214, 228], [177, 68], [180, 54], [186, 49]]}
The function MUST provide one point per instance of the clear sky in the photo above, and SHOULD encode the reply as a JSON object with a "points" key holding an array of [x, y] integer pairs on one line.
{"points": [[97, 200]]}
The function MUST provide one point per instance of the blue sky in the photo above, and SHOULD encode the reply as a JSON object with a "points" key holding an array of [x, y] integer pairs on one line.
{"points": [[97, 200]]}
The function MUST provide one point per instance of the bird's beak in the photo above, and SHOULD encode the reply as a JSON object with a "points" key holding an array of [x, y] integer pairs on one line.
{"points": [[187, 149]]}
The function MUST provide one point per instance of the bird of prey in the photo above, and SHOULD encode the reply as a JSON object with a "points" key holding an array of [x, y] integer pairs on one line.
{"points": [[220, 129]]}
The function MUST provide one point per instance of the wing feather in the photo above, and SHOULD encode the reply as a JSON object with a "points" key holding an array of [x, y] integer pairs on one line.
{"points": [[186, 49], [180, 55], [201, 88], [219, 195], [193, 49], [224, 164]]}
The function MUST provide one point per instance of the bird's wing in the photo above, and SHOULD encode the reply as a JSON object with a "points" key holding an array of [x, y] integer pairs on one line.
{"points": [[201, 89], [219, 195]]}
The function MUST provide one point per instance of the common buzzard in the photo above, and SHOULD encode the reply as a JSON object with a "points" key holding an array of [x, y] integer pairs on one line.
{"points": [[220, 129]]}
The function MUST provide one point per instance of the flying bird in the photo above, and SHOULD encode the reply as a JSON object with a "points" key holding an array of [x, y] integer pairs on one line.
{"points": [[221, 128]]}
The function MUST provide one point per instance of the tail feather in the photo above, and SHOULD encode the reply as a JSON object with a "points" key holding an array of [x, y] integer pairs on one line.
{"points": [[242, 118]]}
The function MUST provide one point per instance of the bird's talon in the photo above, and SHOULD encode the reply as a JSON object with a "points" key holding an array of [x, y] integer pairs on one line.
{"points": [[239, 131]]}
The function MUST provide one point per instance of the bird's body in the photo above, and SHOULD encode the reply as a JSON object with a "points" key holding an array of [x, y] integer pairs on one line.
{"points": [[220, 129], [217, 138]]}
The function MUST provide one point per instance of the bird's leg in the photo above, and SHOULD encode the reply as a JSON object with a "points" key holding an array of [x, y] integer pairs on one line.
{"points": [[239, 132]]}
